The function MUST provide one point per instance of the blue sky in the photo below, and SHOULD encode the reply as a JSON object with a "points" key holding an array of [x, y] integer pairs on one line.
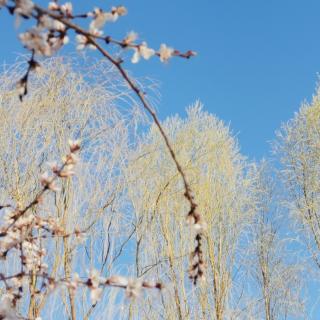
{"points": [[257, 60]]}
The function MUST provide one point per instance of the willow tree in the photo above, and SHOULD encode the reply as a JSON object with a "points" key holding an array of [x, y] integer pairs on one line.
{"points": [[66, 104], [298, 147], [277, 281], [219, 176]]}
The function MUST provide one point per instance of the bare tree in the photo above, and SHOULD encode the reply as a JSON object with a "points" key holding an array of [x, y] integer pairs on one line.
{"points": [[298, 147], [277, 272], [63, 104], [219, 176]]}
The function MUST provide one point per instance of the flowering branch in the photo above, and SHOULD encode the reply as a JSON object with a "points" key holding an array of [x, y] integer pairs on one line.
{"points": [[94, 282], [18, 235], [50, 34]]}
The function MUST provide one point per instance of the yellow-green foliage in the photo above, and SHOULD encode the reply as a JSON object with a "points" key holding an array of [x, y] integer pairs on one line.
{"points": [[298, 145], [66, 104], [218, 175]]}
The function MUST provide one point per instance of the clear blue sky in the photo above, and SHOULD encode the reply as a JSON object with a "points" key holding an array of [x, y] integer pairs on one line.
{"points": [[257, 60]]}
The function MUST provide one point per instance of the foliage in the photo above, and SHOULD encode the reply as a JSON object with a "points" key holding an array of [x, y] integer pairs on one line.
{"points": [[219, 176], [62, 104], [275, 268], [298, 147]]}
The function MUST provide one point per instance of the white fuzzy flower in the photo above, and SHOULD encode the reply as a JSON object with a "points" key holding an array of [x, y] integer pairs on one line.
{"points": [[74, 145], [118, 281], [94, 278], [53, 166], [24, 7], [100, 18], [45, 179], [48, 182], [83, 41], [57, 42], [17, 282], [146, 52], [51, 24], [24, 221], [165, 53], [190, 219], [7, 311], [65, 39], [133, 288], [95, 295], [200, 227], [142, 51], [35, 40], [70, 159], [130, 38], [66, 9], [66, 172], [120, 11], [53, 6], [73, 285]]}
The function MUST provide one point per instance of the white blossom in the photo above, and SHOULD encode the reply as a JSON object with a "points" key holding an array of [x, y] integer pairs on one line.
{"points": [[35, 40], [130, 38], [53, 6], [24, 220], [7, 311], [57, 42], [70, 159], [142, 51], [74, 145], [94, 277], [165, 53], [100, 18], [66, 172], [120, 10], [95, 280], [45, 179], [190, 219], [95, 295], [83, 41], [72, 285], [24, 7], [18, 282], [33, 257], [10, 240], [66, 9], [53, 166], [200, 227], [118, 281], [8, 216], [133, 288], [48, 182], [51, 24]]}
